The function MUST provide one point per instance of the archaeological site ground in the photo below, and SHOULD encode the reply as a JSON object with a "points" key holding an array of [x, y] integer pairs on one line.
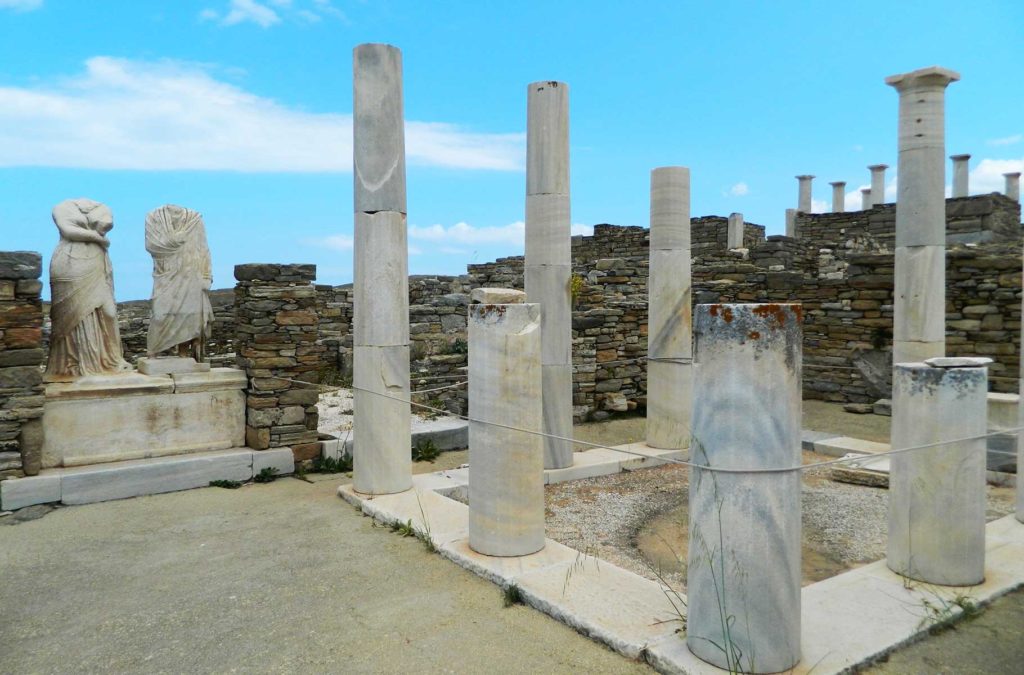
{"points": [[689, 446]]}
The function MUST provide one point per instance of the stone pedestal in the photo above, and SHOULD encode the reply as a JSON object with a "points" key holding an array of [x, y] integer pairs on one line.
{"points": [[547, 266], [382, 460], [506, 486], [734, 233], [838, 196], [878, 183], [168, 365], [108, 418], [670, 331], [937, 494], [804, 194], [919, 323], [960, 175], [743, 575], [1012, 187]]}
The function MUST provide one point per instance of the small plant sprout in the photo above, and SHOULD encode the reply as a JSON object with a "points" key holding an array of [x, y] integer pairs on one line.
{"points": [[266, 475], [511, 595], [226, 484]]}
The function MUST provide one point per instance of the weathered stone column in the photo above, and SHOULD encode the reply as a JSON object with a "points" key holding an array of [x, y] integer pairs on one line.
{"points": [[743, 575], [865, 199], [382, 461], [937, 494], [838, 196], [670, 329], [734, 231], [804, 196], [506, 488], [548, 264], [919, 322], [878, 183], [1012, 189], [960, 174], [791, 223]]}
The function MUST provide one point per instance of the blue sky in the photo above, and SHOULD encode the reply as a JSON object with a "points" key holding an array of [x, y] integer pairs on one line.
{"points": [[241, 109]]}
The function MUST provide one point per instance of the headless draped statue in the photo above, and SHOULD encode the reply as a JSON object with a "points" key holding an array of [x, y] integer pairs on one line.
{"points": [[84, 339], [181, 311]]}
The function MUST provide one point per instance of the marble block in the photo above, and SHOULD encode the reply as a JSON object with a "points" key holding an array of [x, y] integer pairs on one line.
{"points": [[378, 129], [669, 404], [670, 320], [920, 294], [506, 487], [937, 494], [497, 296], [548, 235], [137, 416], [744, 555], [382, 449], [548, 285], [557, 384], [670, 208], [168, 365], [216, 378], [547, 138], [381, 288]]}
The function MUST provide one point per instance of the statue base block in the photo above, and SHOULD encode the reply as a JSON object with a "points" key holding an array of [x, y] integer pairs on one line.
{"points": [[169, 365], [109, 418]]}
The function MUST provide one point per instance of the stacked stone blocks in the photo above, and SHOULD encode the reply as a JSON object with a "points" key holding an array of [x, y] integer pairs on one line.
{"points": [[276, 320]]}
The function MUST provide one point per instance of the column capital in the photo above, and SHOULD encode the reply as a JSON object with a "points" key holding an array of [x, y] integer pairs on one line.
{"points": [[960, 158], [805, 177], [1012, 174], [878, 167], [930, 77], [838, 183]]}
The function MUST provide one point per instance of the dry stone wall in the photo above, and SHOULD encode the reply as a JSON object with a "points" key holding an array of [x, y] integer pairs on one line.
{"points": [[278, 347], [21, 358]]}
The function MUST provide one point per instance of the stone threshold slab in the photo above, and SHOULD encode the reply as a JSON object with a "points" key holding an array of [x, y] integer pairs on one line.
{"points": [[848, 620], [138, 477]]}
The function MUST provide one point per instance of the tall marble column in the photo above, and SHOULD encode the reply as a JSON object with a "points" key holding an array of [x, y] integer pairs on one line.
{"points": [[919, 323], [670, 330], [743, 574], [791, 223], [548, 265], [960, 174], [838, 196], [937, 494], [1012, 188], [381, 451], [878, 183], [506, 489], [734, 231], [865, 199], [804, 195]]}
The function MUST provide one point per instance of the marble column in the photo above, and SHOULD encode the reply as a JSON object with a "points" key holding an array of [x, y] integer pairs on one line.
{"points": [[1012, 189], [960, 174], [381, 419], [670, 330], [743, 573], [506, 485], [878, 183], [838, 196], [548, 267], [791, 223], [804, 196], [919, 322], [937, 494], [865, 199], [1020, 437], [734, 231]]}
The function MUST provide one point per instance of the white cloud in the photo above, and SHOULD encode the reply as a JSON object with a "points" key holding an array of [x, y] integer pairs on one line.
{"points": [[208, 14], [451, 250], [415, 250], [21, 5], [243, 11], [818, 206], [581, 229], [335, 242], [739, 189], [124, 114], [1006, 140], [988, 175], [853, 199], [464, 233]]}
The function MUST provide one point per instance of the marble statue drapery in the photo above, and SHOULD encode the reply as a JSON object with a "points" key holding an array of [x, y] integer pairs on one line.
{"points": [[182, 276], [84, 338]]}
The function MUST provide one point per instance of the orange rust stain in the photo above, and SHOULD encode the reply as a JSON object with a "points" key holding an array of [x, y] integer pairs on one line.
{"points": [[727, 315], [713, 310], [754, 335], [778, 312]]}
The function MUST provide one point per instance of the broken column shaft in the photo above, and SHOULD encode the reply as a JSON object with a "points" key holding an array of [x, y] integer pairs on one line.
{"points": [[804, 194], [743, 574], [865, 199], [838, 196], [878, 183], [937, 494], [506, 488], [670, 330], [548, 268], [960, 174], [381, 417], [919, 323], [1012, 188], [734, 231]]}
